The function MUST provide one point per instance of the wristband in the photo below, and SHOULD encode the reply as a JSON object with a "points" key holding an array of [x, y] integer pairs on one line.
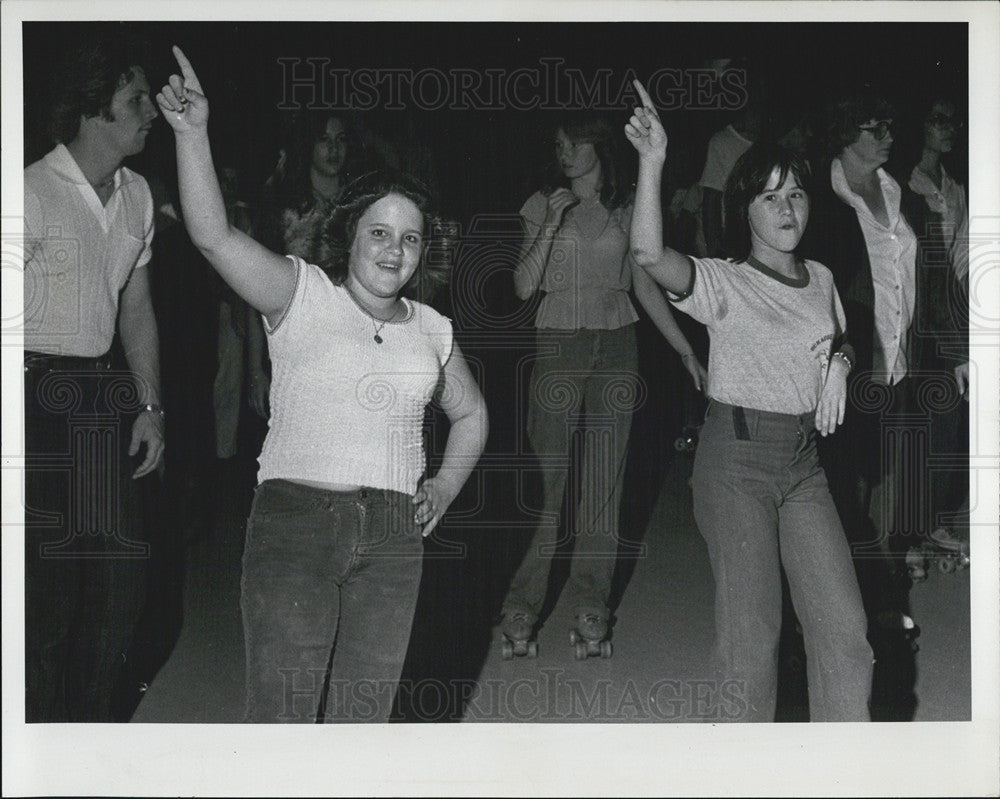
{"points": [[153, 408]]}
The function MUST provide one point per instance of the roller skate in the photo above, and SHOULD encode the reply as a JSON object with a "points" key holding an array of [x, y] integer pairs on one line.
{"points": [[950, 553], [589, 636], [518, 635]]}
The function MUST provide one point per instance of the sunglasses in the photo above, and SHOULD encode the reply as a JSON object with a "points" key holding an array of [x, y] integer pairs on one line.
{"points": [[879, 130], [944, 121]]}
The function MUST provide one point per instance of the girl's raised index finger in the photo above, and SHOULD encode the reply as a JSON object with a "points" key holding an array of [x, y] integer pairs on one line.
{"points": [[187, 71], [646, 99]]}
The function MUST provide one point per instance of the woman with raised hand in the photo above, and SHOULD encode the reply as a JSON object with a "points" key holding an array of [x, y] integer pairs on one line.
{"points": [[575, 251], [334, 550], [777, 377]]}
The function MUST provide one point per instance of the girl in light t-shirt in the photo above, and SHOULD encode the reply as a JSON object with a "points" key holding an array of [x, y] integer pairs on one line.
{"points": [[777, 376], [333, 553]]}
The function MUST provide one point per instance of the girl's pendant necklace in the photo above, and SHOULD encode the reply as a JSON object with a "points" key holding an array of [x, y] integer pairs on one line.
{"points": [[377, 324]]}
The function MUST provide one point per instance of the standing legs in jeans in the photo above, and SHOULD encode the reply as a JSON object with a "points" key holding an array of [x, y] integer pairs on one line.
{"points": [[330, 583], [761, 503], [592, 372]]}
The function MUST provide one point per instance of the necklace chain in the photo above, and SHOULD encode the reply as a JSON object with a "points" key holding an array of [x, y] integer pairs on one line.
{"points": [[377, 324]]}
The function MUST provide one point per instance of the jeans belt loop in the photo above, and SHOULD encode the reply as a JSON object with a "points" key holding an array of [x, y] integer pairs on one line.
{"points": [[740, 423]]}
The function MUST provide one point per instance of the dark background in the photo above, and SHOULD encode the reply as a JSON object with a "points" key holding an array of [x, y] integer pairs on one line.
{"points": [[485, 163]]}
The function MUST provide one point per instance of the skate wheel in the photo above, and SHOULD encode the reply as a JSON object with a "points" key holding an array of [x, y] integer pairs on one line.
{"points": [[507, 650], [574, 637], [581, 651], [946, 565], [680, 444], [532, 649], [605, 649]]}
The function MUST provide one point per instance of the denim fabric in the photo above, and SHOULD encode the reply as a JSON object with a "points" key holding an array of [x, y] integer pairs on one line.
{"points": [[329, 587], [761, 502], [593, 373], [85, 553]]}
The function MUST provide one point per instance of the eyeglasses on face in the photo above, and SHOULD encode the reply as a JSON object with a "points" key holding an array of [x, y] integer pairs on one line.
{"points": [[943, 121], [879, 130]]}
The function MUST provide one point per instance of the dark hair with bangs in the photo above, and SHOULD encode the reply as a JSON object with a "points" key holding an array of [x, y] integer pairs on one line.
{"points": [[87, 78], [842, 118], [583, 127], [357, 197], [748, 179]]}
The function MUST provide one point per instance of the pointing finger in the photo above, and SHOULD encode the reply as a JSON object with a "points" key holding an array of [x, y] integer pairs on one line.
{"points": [[646, 99], [190, 78]]}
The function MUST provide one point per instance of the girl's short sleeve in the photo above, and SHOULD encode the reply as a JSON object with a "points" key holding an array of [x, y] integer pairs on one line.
{"points": [[297, 298], [705, 298], [438, 331], [534, 209]]}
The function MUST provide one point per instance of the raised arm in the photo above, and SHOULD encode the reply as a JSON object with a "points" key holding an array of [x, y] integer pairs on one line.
{"points": [[666, 266], [264, 279]]}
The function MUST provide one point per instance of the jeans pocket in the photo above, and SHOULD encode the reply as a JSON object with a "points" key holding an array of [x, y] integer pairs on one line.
{"points": [[277, 500]]}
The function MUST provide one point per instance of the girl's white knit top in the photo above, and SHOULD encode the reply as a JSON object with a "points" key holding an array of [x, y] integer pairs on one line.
{"points": [[344, 407]]}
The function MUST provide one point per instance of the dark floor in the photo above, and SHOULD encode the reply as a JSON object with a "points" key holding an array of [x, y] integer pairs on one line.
{"points": [[455, 672]]}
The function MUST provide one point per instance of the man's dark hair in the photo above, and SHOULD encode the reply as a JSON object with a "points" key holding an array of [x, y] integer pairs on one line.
{"points": [[87, 78]]}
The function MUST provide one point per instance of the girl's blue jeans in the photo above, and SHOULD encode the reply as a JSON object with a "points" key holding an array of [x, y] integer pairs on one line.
{"points": [[329, 590], [583, 380], [762, 503]]}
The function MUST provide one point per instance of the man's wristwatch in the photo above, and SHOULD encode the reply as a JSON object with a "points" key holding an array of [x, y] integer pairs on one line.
{"points": [[151, 408]]}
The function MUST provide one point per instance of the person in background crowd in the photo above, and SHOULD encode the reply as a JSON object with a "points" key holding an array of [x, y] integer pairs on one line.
{"points": [[227, 388], [860, 231], [724, 149], [937, 207], [575, 251], [321, 156]]}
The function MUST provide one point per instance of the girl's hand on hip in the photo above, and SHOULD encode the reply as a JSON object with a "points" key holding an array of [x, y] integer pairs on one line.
{"points": [[644, 129], [431, 500], [833, 399], [183, 105]]}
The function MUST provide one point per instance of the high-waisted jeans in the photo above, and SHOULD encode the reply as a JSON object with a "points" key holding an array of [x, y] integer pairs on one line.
{"points": [[593, 373], [761, 502], [329, 590]]}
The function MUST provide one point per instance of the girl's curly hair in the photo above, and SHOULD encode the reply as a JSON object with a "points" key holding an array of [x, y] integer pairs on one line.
{"points": [[341, 227]]}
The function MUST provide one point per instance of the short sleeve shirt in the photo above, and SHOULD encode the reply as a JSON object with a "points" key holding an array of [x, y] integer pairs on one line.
{"points": [[346, 408], [771, 336], [586, 281], [79, 254]]}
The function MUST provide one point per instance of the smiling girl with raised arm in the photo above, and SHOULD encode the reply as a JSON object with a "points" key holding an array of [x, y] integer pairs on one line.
{"points": [[334, 549]]}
